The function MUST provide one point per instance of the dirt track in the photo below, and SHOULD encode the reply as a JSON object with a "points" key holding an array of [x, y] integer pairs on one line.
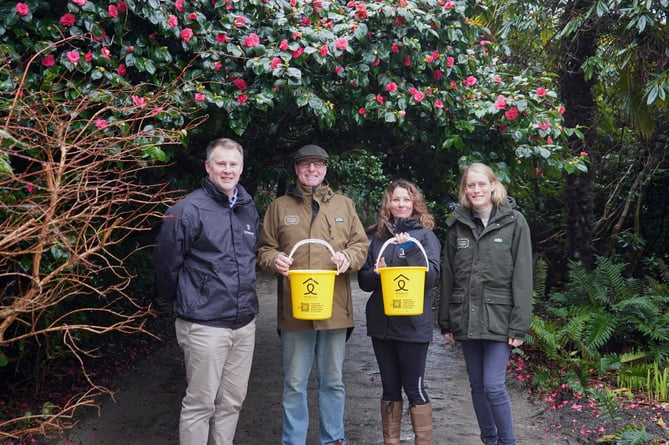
{"points": [[146, 410]]}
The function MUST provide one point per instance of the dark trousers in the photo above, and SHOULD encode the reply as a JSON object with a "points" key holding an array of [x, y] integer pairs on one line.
{"points": [[402, 366]]}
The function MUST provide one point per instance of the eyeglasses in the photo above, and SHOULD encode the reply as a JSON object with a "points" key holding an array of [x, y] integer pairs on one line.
{"points": [[306, 164]]}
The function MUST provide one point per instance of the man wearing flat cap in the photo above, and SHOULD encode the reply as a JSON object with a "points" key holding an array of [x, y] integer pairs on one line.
{"points": [[311, 209]]}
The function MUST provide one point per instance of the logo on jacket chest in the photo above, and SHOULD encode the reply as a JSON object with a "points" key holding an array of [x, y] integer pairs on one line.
{"points": [[291, 220], [463, 243]]}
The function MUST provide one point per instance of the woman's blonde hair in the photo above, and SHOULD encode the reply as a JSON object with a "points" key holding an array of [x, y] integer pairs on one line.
{"points": [[498, 193], [420, 210]]}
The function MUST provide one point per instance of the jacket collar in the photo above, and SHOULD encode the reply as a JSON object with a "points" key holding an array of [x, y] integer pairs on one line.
{"points": [[217, 195], [300, 191]]}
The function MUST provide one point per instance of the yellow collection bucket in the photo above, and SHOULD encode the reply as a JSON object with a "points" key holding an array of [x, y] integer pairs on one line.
{"points": [[312, 290], [403, 287]]}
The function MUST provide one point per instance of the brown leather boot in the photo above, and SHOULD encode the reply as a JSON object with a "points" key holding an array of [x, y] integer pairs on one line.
{"points": [[421, 420], [391, 419]]}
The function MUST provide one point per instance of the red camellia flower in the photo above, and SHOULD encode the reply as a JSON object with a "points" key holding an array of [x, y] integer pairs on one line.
{"points": [[252, 40], [179, 4], [22, 9], [376, 62], [122, 7], [222, 37], [362, 111], [240, 84], [186, 34], [112, 10], [545, 125], [218, 65], [324, 50], [561, 110], [72, 56], [511, 114], [450, 61], [173, 21], [79, 2], [274, 64], [242, 98], [298, 52], [122, 70], [407, 60], [541, 91], [339, 69], [438, 74], [192, 16], [438, 104], [341, 43], [106, 53], [68, 19], [449, 4], [100, 123], [395, 48], [200, 97], [391, 86], [240, 21], [48, 60], [283, 45], [88, 57], [418, 96], [379, 99]]}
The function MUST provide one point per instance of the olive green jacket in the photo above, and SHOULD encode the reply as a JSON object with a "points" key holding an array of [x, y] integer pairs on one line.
{"points": [[487, 278]]}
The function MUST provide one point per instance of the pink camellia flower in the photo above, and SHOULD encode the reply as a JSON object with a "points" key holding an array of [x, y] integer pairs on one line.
{"points": [[500, 103], [324, 50], [362, 111], [283, 45], [438, 104], [200, 97], [240, 84], [449, 4], [179, 4], [122, 70], [79, 2], [450, 61], [511, 114], [584, 153], [341, 44], [48, 60], [242, 98], [437, 75], [22, 9], [541, 91], [221, 37], [298, 52], [240, 21], [252, 40], [549, 140], [274, 64], [418, 96], [68, 19], [72, 56], [391, 86], [192, 16], [106, 53], [156, 110], [497, 79], [186, 34], [484, 42], [173, 21], [138, 101], [100, 123], [88, 57], [218, 65], [339, 69], [380, 99], [470, 81], [112, 10], [376, 62], [561, 110], [545, 125]]}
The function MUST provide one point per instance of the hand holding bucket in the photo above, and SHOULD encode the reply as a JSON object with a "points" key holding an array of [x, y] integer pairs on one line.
{"points": [[403, 287], [312, 290]]}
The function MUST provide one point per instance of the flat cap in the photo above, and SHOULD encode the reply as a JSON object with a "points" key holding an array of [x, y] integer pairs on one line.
{"points": [[310, 151]]}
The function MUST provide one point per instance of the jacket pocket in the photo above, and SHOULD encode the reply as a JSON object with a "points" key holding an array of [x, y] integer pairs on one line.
{"points": [[498, 304], [457, 312]]}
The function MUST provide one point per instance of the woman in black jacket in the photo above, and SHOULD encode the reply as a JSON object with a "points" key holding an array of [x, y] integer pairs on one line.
{"points": [[401, 342]]}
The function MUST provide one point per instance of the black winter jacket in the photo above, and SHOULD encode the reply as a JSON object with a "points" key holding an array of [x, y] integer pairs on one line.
{"points": [[205, 257], [418, 328]]}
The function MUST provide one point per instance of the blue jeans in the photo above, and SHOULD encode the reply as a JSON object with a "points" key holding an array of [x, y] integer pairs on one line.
{"points": [[299, 349], [486, 366]]}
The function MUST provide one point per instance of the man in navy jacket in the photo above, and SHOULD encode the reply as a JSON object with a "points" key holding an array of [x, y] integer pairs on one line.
{"points": [[205, 262]]}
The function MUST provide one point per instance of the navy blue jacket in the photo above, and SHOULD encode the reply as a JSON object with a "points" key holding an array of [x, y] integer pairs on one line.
{"points": [[409, 328], [205, 257]]}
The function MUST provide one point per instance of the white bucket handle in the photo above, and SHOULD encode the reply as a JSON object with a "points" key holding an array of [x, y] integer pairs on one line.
{"points": [[389, 241], [314, 241]]}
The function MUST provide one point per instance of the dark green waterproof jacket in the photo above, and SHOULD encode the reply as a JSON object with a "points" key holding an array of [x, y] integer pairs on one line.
{"points": [[487, 278]]}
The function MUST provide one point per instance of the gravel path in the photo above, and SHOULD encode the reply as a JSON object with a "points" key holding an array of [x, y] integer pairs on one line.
{"points": [[146, 408]]}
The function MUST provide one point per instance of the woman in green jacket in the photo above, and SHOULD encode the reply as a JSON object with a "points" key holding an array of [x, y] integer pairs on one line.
{"points": [[486, 298]]}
